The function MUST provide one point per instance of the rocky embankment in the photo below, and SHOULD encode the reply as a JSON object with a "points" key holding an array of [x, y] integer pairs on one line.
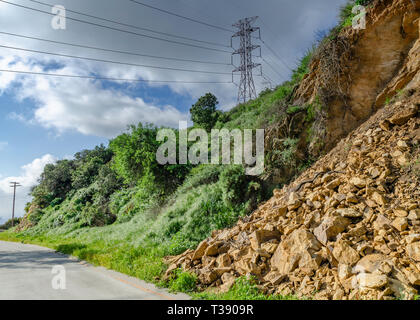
{"points": [[348, 228]]}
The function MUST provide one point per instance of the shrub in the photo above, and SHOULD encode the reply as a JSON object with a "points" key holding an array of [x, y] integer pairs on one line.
{"points": [[183, 282], [35, 216]]}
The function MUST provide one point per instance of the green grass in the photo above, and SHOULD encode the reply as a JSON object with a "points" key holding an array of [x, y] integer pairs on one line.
{"points": [[243, 289], [183, 282]]}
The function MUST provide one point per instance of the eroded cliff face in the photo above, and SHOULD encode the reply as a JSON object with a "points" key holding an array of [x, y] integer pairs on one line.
{"points": [[370, 67], [349, 226]]}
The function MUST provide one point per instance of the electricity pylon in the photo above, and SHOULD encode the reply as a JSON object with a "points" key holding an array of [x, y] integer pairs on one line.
{"points": [[246, 86]]}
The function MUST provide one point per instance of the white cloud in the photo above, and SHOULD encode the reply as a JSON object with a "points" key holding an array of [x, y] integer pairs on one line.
{"points": [[28, 178], [83, 105]]}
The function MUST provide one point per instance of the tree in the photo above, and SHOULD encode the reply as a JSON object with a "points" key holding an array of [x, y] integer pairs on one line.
{"points": [[55, 182], [204, 113], [135, 159]]}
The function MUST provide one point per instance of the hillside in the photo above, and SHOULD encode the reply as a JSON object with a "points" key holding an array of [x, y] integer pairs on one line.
{"points": [[340, 190], [348, 227]]}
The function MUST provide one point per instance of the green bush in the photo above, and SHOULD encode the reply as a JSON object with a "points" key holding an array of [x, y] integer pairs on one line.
{"points": [[183, 282], [35, 216]]}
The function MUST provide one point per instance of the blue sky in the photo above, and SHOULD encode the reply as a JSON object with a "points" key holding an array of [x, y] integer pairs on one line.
{"points": [[44, 119]]}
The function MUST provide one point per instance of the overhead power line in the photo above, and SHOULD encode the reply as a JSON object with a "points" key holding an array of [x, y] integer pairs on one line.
{"points": [[112, 50], [117, 29], [132, 26], [274, 69], [113, 62], [276, 55], [110, 79], [181, 16]]}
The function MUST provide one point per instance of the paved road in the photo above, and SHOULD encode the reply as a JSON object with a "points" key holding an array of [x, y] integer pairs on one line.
{"points": [[26, 272]]}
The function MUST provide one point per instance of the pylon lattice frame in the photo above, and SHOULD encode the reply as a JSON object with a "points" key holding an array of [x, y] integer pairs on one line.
{"points": [[246, 86]]}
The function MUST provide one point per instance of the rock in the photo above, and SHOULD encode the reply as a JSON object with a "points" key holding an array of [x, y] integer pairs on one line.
{"points": [[413, 251], [297, 250], [414, 215], [413, 276], [275, 278], [345, 254], [372, 281], [213, 249], [221, 271], [351, 198], [400, 224], [258, 237], [402, 144], [294, 201], [228, 280], [381, 223], [344, 271], [338, 295], [402, 117], [330, 228], [333, 184], [358, 182], [412, 238], [201, 249], [349, 213], [207, 276], [224, 261], [269, 247], [245, 267], [370, 263], [400, 213]]}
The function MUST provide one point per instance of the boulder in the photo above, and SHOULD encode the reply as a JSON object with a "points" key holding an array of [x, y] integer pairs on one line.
{"points": [[297, 250], [413, 251], [345, 254], [330, 228]]}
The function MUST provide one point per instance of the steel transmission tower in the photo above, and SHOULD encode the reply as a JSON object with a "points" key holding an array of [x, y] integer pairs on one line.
{"points": [[246, 86]]}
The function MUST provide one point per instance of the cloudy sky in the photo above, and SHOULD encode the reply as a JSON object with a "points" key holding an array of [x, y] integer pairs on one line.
{"points": [[43, 119]]}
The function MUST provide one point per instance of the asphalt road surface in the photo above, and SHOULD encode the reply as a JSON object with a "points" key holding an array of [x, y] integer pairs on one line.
{"points": [[29, 272]]}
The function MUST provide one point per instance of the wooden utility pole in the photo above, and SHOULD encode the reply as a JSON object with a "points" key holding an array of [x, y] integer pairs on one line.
{"points": [[14, 185]]}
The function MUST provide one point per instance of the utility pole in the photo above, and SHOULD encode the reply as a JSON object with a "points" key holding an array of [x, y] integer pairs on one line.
{"points": [[246, 86], [14, 185]]}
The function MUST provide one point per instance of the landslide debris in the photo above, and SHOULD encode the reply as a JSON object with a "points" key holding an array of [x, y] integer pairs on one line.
{"points": [[348, 228]]}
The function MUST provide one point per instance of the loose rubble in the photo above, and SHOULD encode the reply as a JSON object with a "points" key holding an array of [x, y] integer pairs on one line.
{"points": [[351, 233]]}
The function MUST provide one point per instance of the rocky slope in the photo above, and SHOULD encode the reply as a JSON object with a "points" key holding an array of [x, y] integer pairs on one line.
{"points": [[348, 227], [357, 71]]}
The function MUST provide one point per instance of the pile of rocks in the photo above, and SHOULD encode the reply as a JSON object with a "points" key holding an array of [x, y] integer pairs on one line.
{"points": [[348, 228]]}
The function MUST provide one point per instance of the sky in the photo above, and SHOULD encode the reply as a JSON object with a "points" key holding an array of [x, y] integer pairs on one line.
{"points": [[44, 119]]}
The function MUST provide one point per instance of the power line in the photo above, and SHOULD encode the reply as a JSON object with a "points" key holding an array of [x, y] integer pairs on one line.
{"points": [[275, 54], [132, 26], [111, 79], [112, 50], [181, 16], [116, 29], [278, 73], [114, 62]]}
